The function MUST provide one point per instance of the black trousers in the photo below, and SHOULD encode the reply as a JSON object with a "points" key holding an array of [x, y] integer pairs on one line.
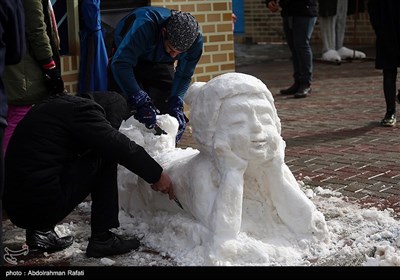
{"points": [[88, 174], [389, 89], [155, 79], [92, 174]]}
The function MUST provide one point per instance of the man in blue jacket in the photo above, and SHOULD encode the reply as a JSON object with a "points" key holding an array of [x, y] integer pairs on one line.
{"points": [[147, 43]]}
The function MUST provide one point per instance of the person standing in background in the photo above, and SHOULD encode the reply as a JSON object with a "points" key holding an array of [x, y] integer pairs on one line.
{"points": [[299, 18], [38, 75], [93, 56], [332, 19], [384, 16], [12, 48]]}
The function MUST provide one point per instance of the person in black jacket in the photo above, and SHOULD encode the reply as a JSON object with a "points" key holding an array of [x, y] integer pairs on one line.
{"points": [[299, 18], [12, 48], [64, 149], [384, 16]]}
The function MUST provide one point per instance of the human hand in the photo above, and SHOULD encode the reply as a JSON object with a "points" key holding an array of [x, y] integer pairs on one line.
{"points": [[146, 115], [164, 185], [273, 6], [176, 111], [53, 80], [145, 112]]}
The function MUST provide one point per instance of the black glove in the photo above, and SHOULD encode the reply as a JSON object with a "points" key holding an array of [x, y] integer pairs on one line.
{"points": [[53, 79], [145, 112], [176, 110]]}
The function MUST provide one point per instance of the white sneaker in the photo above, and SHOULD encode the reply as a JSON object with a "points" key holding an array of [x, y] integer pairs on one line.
{"points": [[346, 53], [331, 55]]}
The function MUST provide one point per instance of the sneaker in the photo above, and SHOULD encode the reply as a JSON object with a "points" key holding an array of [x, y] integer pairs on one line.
{"points": [[332, 56], [47, 240], [346, 53], [389, 120], [303, 91], [112, 246], [291, 90]]}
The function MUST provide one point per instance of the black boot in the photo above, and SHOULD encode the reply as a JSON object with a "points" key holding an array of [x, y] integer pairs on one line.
{"points": [[114, 245], [303, 91], [47, 240], [291, 90]]}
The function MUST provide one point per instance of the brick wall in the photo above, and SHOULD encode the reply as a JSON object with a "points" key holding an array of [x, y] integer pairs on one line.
{"points": [[261, 25]]}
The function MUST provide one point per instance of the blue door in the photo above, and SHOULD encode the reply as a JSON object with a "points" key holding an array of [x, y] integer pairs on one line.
{"points": [[238, 10]]}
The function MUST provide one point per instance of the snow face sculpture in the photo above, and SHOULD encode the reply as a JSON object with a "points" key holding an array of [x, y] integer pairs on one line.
{"points": [[236, 181]]}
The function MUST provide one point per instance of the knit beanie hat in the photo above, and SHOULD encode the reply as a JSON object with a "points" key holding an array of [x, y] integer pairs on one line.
{"points": [[113, 103], [182, 30]]}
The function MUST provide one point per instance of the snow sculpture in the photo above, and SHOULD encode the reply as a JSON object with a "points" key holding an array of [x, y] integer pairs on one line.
{"points": [[237, 180]]}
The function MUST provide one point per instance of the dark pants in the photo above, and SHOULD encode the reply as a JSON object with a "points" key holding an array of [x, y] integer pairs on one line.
{"points": [[89, 174], [389, 89], [153, 78], [298, 31], [156, 80], [93, 175]]}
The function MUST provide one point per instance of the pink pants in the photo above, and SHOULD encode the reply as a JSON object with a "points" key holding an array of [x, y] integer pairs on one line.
{"points": [[14, 116]]}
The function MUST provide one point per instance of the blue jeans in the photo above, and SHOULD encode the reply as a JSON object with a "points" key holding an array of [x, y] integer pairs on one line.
{"points": [[298, 31]]}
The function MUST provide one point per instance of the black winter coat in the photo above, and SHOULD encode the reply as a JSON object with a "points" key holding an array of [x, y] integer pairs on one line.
{"points": [[50, 138], [303, 8], [328, 8], [385, 19]]}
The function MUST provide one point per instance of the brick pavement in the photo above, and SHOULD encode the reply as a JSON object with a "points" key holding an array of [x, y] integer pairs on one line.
{"points": [[333, 137]]}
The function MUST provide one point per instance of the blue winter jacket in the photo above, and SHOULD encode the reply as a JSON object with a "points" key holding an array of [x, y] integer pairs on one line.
{"points": [[143, 41]]}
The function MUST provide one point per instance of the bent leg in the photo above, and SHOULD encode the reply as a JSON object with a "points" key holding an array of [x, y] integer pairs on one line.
{"points": [[91, 174], [105, 206]]}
